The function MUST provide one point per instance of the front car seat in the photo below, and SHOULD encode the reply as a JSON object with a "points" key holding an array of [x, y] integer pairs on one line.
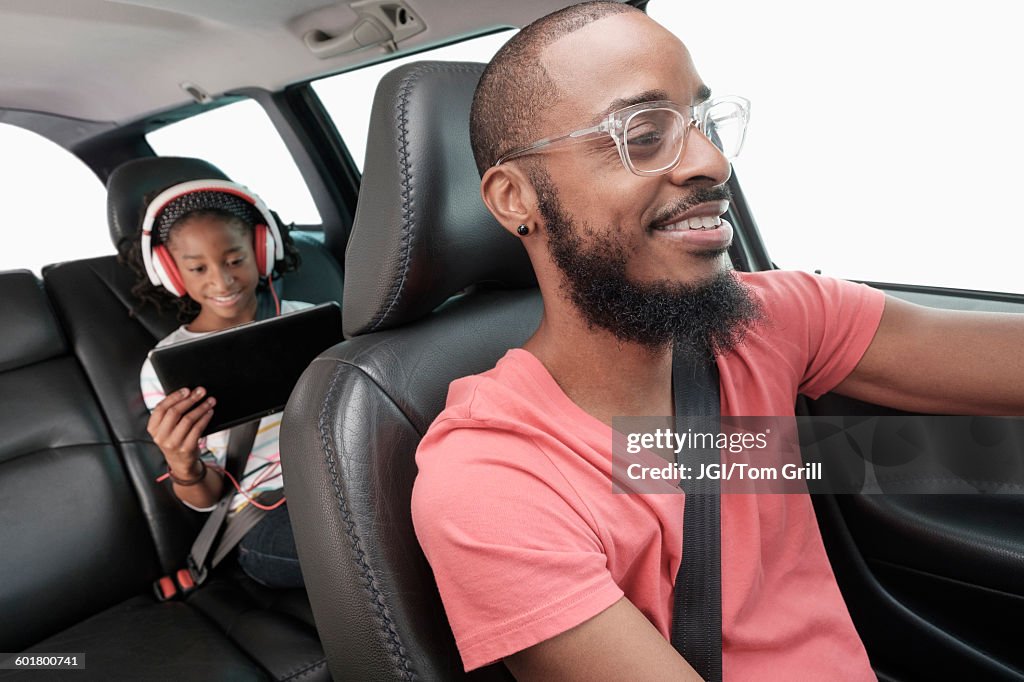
{"points": [[421, 235]]}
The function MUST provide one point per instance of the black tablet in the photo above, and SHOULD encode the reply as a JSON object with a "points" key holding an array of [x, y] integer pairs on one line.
{"points": [[250, 369]]}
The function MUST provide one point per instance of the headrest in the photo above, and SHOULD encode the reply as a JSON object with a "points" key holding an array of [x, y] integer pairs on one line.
{"points": [[31, 333], [133, 181], [421, 231]]}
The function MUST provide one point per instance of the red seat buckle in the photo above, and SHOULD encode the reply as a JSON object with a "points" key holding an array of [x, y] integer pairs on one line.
{"points": [[164, 588], [185, 581]]}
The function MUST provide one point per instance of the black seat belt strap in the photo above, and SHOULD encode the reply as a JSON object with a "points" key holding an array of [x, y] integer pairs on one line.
{"points": [[697, 609]]}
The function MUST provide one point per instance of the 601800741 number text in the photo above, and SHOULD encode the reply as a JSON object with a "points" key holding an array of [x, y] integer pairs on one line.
{"points": [[42, 661]]}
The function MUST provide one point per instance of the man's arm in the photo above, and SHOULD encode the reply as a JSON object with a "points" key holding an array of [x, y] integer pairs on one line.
{"points": [[617, 644], [943, 362]]}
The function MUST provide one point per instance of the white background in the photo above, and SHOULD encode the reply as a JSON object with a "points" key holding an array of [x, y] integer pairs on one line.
{"points": [[886, 137], [884, 141], [52, 206]]}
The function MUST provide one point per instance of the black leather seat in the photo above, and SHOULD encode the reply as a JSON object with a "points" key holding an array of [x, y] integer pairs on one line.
{"points": [[84, 529], [77, 552], [350, 431]]}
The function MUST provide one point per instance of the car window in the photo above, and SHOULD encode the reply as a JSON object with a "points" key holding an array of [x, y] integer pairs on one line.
{"points": [[348, 97], [240, 139], [54, 207], [883, 139]]}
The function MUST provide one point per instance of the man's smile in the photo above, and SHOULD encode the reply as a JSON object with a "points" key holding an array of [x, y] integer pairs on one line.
{"points": [[696, 223], [717, 236], [700, 225], [704, 215]]}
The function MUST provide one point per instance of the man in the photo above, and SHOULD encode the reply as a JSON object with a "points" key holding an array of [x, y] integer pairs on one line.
{"points": [[581, 130]]}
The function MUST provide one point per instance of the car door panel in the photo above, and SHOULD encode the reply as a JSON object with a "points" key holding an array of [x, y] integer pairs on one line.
{"points": [[934, 582]]}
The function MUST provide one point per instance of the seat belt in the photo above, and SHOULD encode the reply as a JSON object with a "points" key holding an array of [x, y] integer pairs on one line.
{"points": [[697, 609], [240, 441]]}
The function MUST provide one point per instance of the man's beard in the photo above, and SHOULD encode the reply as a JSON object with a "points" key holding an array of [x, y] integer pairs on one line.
{"points": [[702, 319]]}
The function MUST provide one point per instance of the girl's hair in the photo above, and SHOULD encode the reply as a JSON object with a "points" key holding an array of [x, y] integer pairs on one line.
{"points": [[129, 250]]}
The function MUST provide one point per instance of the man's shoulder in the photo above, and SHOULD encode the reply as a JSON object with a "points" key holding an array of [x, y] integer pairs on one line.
{"points": [[779, 280], [486, 415], [793, 289], [494, 451], [490, 397]]}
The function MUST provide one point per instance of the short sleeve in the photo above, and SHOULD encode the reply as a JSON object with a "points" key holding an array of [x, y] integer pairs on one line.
{"points": [[838, 320], [293, 306], [514, 556], [152, 389]]}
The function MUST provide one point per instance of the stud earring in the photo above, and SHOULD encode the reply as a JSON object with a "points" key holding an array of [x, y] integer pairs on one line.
{"points": [[523, 230]]}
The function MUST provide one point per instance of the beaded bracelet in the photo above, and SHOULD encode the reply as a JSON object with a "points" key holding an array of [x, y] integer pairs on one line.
{"points": [[189, 481]]}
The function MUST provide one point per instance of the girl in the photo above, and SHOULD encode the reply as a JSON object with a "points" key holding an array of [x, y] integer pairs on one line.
{"points": [[212, 247]]}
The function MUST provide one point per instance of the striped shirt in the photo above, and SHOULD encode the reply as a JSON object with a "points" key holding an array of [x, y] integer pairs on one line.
{"points": [[263, 468]]}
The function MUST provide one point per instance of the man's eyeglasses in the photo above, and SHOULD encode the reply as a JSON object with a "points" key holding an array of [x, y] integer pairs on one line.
{"points": [[651, 136]]}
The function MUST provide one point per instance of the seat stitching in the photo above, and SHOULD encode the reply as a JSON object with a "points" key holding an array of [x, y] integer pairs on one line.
{"points": [[406, 193], [328, 410], [405, 92]]}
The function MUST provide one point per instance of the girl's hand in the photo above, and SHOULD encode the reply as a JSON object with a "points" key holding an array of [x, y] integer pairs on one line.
{"points": [[176, 424]]}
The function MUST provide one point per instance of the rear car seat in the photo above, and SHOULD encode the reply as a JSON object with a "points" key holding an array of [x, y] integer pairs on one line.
{"points": [[78, 559], [84, 530]]}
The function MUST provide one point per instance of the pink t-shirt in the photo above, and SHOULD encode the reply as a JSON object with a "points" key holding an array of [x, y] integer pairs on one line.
{"points": [[514, 506]]}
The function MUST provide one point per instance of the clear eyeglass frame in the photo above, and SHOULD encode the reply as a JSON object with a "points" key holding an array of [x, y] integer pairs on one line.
{"points": [[698, 116]]}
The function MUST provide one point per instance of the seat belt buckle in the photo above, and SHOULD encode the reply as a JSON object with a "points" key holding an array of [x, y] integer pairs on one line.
{"points": [[165, 588], [185, 581], [179, 584], [197, 574]]}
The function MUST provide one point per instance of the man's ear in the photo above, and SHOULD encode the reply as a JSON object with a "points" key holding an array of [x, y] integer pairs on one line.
{"points": [[509, 196]]}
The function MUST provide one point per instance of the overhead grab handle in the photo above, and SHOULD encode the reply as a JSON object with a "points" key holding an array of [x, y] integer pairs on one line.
{"points": [[381, 22], [366, 33]]}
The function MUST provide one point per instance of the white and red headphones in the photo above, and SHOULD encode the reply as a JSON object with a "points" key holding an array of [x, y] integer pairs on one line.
{"points": [[160, 266]]}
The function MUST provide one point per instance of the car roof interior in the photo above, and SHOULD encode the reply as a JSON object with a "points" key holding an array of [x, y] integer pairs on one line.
{"points": [[110, 62]]}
